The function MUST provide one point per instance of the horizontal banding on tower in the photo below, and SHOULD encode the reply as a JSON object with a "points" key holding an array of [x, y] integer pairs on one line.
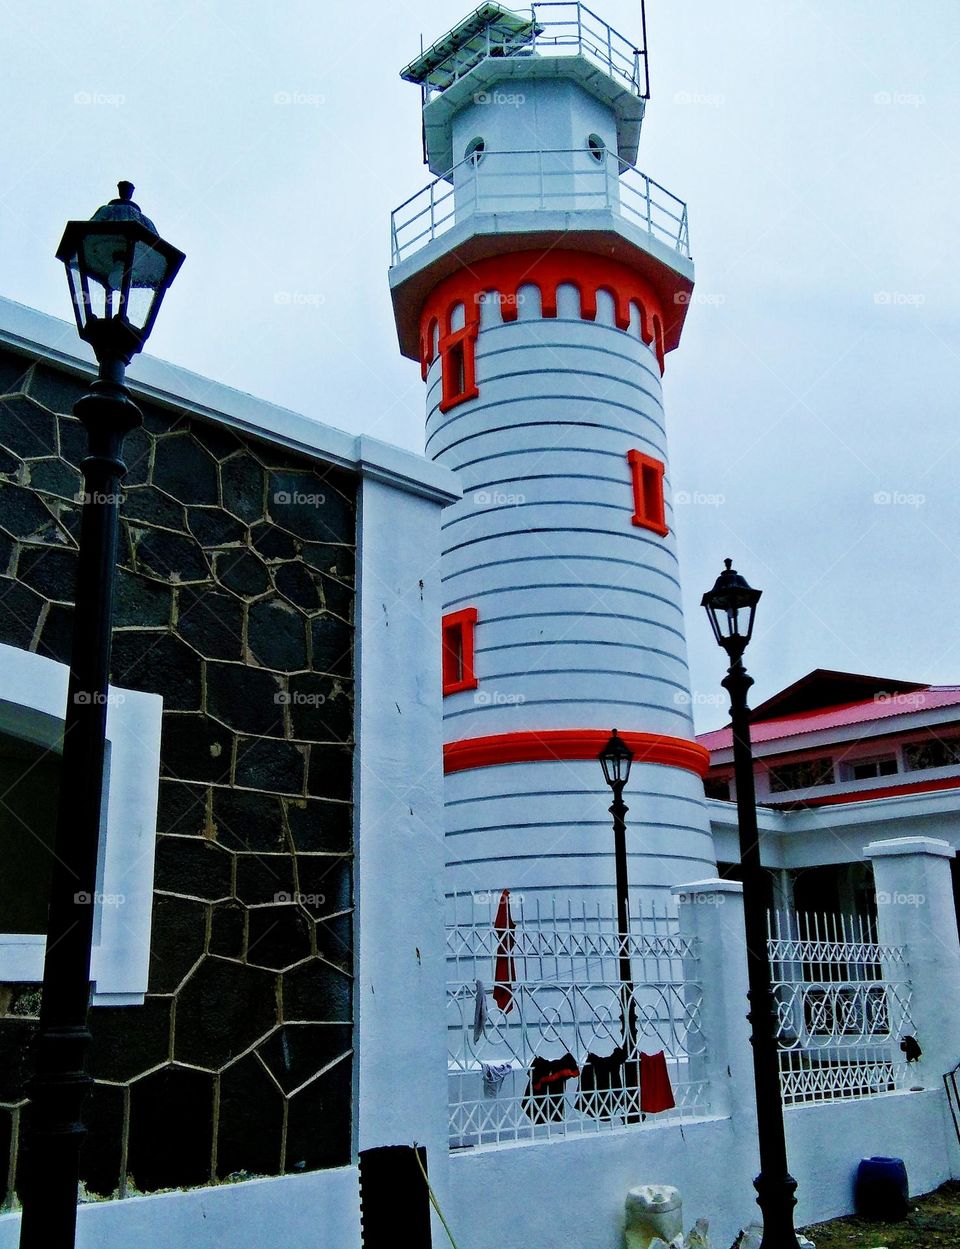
{"points": [[557, 745]]}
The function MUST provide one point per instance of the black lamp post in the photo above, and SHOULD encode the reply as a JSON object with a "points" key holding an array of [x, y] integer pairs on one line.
{"points": [[731, 606], [616, 759], [119, 270]]}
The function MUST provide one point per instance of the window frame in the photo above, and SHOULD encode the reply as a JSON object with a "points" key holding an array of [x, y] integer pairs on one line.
{"points": [[459, 344], [649, 505], [33, 697], [463, 623]]}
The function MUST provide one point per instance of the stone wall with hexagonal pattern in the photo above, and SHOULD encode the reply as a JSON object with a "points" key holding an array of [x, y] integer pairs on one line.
{"points": [[234, 602]]}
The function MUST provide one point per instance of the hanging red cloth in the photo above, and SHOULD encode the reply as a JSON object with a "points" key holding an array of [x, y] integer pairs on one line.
{"points": [[655, 1091], [505, 972]]}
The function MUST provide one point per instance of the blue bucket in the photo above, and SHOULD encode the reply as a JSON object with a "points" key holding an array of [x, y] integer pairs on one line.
{"points": [[881, 1190]]}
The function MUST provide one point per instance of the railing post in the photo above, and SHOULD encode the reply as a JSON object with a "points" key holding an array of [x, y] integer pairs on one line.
{"points": [[649, 211], [433, 224]]}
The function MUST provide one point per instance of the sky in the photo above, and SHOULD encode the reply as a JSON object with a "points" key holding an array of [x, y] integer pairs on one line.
{"points": [[812, 404]]}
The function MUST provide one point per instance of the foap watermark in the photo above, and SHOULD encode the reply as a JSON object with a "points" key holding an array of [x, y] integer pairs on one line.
{"points": [[498, 498], [713, 298], [100, 498], [698, 498], [308, 99], [503, 299], [300, 899], [99, 899], [914, 700], [299, 299], [899, 99], [703, 899], [298, 698], [88, 698], [487, 897], [694, 698], [497, 698], [899, 299], [898, 498], [900, 898], [705, 99], [99, 99], [299, 498], [512, 98]]}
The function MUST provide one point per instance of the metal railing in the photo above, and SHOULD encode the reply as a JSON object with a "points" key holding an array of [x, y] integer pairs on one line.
{"points": [[843, 1005], [565, 28], [561, 180], [566, 999]]}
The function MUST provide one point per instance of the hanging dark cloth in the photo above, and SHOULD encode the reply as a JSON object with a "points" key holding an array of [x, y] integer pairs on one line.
{"points": [[504, 972], [601, 1084], [543, 1099]]}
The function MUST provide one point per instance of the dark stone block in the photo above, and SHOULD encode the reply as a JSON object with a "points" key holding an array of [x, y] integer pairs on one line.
{"points": [[297, 1052], [331, 772], [335, 941], [326, 884], [211, 526], [16, 1056], [141, 602], [242, 482], [176, 942], [19, 613], [6, 1149], [73, 440], [51, 571], [162, 420], [171, 557], [24, 515], [211, 622], [222, 1010], [220, 442], [171, 1130], [321, 708], [196, 748], [56, 635], [319, 825], [127, 1042], [26, 428], [277, 635], [55, 390], [317, 991], [273, 543], [7, 550], [265, 878], [270, 765], [69, 516], [186, 470], [101, 1156], [158, 663], [305, 504], [337, 561], [246, 699], [137, 454], [245, 821], [242, 572], [338, 597], [319, 1121], [250, 1121], [14, 372], [150, 505], [227, 930], [56, 477], [10, 466], [331, 645], [295, 583], [277, 936], [182, 809], [194, 867]]}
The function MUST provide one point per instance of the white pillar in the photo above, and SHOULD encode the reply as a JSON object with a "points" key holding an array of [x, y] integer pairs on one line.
{"points": [[915, 908]]}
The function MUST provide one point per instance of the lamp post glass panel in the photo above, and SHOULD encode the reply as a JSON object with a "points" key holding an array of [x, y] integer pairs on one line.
{"points": [[118, 269], [616, 759], [731, 606]]}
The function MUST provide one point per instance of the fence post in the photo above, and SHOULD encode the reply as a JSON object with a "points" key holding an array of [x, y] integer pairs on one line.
{"points": [[712, 910], [915, 908]]}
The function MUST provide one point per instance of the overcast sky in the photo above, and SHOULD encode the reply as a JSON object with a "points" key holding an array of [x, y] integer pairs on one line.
{"points": [[812, 404]]}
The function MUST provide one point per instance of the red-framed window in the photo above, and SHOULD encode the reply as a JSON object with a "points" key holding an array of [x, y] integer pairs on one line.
{"points": [[458, 630], [648, 506], [458, 369]]}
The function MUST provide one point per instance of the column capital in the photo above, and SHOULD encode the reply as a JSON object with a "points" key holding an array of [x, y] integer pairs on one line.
{"points": [[909, 845]]}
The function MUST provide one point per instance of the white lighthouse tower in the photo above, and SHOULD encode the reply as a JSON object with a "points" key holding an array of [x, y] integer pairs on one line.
{"points": [[540, 281]]}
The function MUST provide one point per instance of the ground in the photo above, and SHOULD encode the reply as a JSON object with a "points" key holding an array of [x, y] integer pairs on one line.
{"points": [[933, 1223]]}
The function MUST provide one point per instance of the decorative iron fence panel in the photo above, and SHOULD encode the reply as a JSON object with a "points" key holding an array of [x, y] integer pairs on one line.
{"points": [[564, 1001], [843, 1006]]}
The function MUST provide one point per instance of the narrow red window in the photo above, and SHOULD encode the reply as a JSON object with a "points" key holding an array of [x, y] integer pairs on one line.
{"points": [[648, 507], [458, 628], [457, 367]]}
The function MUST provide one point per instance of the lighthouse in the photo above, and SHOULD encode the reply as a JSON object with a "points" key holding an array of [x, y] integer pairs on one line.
{"points": [[541, 280]]}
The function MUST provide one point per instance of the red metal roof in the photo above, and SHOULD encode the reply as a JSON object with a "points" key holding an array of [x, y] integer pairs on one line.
{"points": [[880, 707]]}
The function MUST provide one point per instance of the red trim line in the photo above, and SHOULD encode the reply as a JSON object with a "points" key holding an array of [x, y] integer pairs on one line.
{"points": [[870, 795], [558, 744]]}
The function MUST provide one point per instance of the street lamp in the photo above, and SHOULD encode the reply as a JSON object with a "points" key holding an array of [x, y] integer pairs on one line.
{"points": [[616, 759], [118, 269], [731, 606]]}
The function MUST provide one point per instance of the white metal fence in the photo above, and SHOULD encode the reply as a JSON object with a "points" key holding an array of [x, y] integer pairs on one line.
{"points": [[565, 1001], [564, 180], [843, 1003]]}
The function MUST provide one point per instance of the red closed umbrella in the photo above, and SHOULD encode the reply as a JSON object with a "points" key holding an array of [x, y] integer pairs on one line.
{"points": [[505, 972]]}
